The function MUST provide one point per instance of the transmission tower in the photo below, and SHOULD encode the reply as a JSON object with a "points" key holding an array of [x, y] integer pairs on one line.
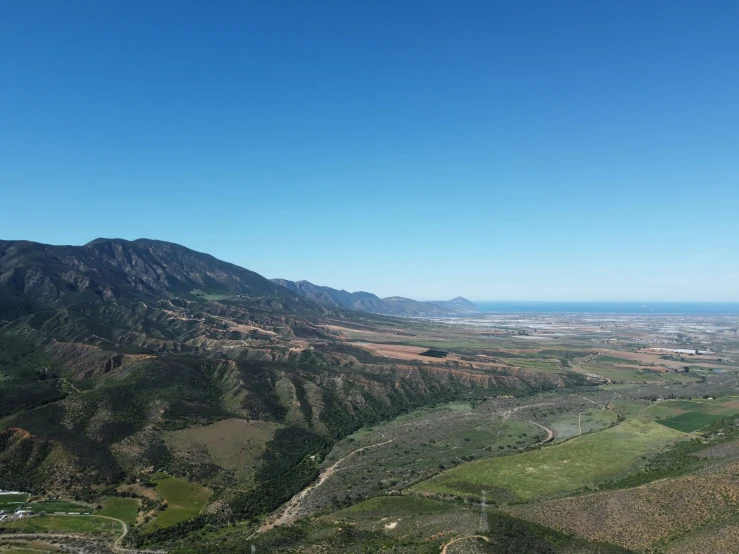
{"points": [[483, 514]]}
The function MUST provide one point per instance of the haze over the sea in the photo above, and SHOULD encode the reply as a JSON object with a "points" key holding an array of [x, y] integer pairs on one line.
{"points": [[646, 308]]}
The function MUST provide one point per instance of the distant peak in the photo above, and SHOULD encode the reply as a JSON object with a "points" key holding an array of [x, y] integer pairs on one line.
{"points": [[102, 240]]}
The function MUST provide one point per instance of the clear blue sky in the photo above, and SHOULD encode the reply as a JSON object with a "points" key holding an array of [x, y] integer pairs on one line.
{"points": [[571, 150]]}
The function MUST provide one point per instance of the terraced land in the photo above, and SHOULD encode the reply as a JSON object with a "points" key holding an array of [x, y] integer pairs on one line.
{"points": [[579, 462]]}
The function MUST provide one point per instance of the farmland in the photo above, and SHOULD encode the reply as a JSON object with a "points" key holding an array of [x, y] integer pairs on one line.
{"points": [[65, 524], [689, 416], [577, 463], [117, 507], [57, 506], [12, 501], [364, 440]]}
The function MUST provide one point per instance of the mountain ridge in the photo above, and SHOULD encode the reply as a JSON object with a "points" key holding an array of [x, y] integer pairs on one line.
{"points": [[105, 271], [368, 302]]}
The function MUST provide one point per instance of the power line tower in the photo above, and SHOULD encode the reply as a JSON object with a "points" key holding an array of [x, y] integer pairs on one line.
{"points": [[253, 549], [484, 514]]}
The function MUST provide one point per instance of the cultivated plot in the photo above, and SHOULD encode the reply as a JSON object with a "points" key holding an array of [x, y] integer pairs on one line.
{"points": [[579, 462]]}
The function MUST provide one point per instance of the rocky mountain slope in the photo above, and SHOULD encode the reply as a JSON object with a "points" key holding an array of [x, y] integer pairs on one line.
{"points": [[368, 302], [109, 270], [111, 350]]}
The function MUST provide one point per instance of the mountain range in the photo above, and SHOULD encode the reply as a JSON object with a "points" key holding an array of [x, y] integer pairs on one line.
{"points": [[368, 302], [107, 270], [111, 350]]}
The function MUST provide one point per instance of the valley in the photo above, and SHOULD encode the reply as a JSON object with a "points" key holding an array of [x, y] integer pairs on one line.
{"points": [[166, 401]]}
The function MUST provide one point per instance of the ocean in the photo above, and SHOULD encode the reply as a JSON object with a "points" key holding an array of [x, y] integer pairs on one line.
{"points": [[646, 308]]}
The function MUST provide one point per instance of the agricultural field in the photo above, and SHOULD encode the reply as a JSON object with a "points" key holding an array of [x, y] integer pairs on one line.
{"points": [[65, 524], [12, 501], [361, 439], [57, 506], [184, 501], [580, 462], [121, 508], [630, 371], [689, 416]]}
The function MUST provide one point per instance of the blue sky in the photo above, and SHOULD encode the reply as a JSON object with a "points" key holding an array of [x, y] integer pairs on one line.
{"points": [[570, 150]]}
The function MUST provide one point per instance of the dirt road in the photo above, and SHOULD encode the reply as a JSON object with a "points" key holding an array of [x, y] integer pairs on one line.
{"points": [[116, 546], [292, 509], [451, 542], [550, 433], [508, 413]]}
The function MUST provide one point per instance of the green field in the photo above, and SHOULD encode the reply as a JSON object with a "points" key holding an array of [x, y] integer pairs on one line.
{"points": [[52, 506], [11, 502], [124, 509], [689, 422], [615, 360], [184, 500], [60, 524], [690, 415], [568, 466]]}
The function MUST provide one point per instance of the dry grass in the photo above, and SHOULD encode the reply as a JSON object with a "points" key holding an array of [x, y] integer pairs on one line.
{"points": [[233, 444], [644, 516], [723, 537]]}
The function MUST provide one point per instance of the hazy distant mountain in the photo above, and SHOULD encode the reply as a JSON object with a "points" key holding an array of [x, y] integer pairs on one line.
{"points": [[368, 302]]}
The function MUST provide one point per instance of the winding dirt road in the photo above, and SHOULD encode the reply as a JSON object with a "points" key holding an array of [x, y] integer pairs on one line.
{"points": [[451, 542], [292, 509], [550, 433], [508, 413], [115, 546]]}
